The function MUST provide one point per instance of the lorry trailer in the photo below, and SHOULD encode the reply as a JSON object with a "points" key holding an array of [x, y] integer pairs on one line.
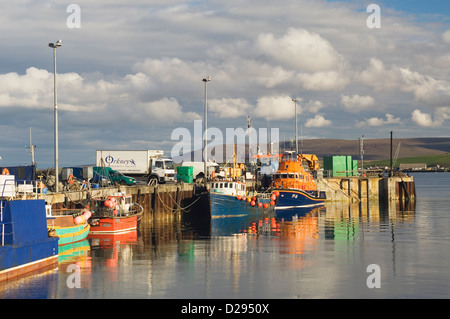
{"points": [[143, 163]]}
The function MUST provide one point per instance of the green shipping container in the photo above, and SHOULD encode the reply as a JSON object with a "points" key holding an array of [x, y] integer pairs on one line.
{"points": [[339, 166], [185, 174], [354, 167], [185, 170]]}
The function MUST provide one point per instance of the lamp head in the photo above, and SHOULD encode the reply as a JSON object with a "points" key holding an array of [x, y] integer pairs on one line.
{"points": [[55, 45]]}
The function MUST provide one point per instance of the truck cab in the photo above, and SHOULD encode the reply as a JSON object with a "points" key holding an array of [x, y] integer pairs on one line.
{"points": [[162, 171], [113, 175]]}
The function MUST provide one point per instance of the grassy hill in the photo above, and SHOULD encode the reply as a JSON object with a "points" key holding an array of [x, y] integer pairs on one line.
{"points": [[443, 160]]}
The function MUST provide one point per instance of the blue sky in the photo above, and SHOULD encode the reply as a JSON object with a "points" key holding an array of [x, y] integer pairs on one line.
{"points": [[131, 73], [418, 7]]}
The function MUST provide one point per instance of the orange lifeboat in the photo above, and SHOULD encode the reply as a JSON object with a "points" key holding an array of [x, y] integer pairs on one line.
{"points": [[292, 175]]}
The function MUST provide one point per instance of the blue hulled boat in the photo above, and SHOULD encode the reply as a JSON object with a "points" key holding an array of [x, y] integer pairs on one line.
{"points": [[295, 185], [25, 245], [230, 198]]}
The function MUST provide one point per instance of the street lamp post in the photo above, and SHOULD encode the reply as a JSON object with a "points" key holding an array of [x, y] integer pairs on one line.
{"points": [[205, 148], [54, 46], [296, 141]]}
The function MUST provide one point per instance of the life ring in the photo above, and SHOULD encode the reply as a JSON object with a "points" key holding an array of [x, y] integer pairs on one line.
{"points": [[71, 179], [5, 171]]}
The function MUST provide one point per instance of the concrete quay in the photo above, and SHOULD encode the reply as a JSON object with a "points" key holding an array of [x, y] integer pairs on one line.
{"points": [[367, 189]]}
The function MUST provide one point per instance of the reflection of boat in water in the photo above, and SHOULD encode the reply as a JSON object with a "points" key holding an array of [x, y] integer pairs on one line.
{"points": [[111, 246], [73, 250], [295, 184], [294, 213], [235, 224], [300, 225], [115, 214], [109, 240]]}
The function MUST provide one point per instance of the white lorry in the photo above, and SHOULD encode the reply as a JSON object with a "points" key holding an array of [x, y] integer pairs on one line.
{"points": [[147, 163]]}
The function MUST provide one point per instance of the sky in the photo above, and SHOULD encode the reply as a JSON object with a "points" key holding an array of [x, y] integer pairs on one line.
{"points": [[129, 73]]}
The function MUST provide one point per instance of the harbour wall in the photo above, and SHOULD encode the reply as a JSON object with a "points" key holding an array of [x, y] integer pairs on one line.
{"points": [[165, 202], [178, 201]]}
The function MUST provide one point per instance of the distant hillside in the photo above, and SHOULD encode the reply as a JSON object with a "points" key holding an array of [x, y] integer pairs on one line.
{"points": [[377, 149], [374, 149]]}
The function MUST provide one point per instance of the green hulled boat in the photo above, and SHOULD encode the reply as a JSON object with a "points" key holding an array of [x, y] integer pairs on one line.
{"points": [[68, 228]]}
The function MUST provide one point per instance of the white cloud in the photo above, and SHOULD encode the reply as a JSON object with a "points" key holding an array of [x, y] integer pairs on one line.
{"points": [[446, 36], [278, 107], [313, 106], [300, 49], [323, 81], [229, 108], [425, 120], [317, 121], [166, 110], [376, 121], [379, 77], [356, 103], [422, 119], [426, 88], [31, 90]]}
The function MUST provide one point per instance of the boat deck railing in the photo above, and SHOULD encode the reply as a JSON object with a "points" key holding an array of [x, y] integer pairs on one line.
{"points": [[12, 189], [2, 242], [8, 183]]}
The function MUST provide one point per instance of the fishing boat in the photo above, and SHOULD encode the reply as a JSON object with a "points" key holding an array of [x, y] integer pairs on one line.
{"points": [[25, 245], [229, 196], [70, 226], [294, 183], [115, 215]]}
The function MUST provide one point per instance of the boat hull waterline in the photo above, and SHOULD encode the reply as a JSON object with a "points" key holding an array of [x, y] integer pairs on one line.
{"points": [[295, 198]]}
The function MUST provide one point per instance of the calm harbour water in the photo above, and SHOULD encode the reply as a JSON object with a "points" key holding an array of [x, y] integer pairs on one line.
{"points": [[324, 254]]}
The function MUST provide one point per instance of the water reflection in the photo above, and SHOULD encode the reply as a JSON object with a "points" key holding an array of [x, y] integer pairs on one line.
{"points": [[71, 252], [225, 258]]}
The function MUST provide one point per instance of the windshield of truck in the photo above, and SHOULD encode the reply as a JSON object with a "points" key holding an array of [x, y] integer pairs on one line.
{"points": [[169, 165]]}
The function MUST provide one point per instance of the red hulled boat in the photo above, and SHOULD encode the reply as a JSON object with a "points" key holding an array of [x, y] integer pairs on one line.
{"points": [[115, 215]]}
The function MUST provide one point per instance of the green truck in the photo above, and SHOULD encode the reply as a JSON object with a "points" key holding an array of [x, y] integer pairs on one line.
{"points": [[113, 176]]}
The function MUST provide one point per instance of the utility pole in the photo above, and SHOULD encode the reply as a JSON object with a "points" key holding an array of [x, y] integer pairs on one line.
{"points": [[205, 148]]}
